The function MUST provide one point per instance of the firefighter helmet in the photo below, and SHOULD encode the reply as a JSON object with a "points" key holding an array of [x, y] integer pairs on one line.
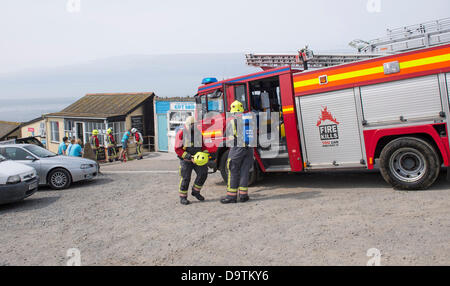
{"points": [[237, 107], [201, 159], [133, 130], [95, 132]]}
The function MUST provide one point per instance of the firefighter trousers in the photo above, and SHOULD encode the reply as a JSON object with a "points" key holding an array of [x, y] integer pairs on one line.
{"points": [[239, 164], [186, 169], [112, 154], [139, 149]]}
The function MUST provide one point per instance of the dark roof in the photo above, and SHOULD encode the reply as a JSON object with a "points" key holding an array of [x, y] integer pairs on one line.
{"points": [[104, 105], [7, 127], [37, 119], [187, 98]]}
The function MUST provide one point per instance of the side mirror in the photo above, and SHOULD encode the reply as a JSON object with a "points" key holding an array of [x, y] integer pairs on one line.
{"points": [[31, 158]]}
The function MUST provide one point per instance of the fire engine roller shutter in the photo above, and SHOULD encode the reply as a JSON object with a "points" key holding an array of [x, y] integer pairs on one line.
{"points": [[448, 84], [413, 99], [331, 130]]}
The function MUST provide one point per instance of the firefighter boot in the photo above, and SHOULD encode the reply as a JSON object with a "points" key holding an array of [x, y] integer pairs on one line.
{"points": [[243, 195], [229, 200], [184, 201], [244, 198], [197, 195]]}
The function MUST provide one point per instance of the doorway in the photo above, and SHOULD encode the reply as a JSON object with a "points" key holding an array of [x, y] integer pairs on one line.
{"points": [[80, 131], [265, 98]]}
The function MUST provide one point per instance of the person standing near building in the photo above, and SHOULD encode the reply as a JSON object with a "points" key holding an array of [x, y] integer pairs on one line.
{"points": [[95, 143], [72, 142], [139, 140], [188, 151], [76, 150], [111, 145], [63, 146], [240, 157], [123, 155]]}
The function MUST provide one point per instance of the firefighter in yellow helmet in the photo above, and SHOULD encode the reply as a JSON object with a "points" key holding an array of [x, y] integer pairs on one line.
{"points": [[95, 143], [191, 152], [240, 157], [111, 145]]}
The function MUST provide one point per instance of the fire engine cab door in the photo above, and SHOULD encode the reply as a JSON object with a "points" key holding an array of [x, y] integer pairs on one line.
{"points": [[331, 129], [233, 92]]}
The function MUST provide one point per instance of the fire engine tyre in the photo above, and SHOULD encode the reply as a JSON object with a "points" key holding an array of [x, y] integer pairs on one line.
{"points": [[409, 164], [224, 171], [59, 179]]}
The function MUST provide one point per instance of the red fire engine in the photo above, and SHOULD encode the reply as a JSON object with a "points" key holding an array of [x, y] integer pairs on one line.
{"points": [[390, 112]]}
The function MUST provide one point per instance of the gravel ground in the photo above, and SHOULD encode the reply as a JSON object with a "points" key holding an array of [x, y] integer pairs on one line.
{"points": [[131, 216]]}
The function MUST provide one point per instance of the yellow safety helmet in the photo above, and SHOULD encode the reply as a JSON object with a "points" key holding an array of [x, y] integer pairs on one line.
{"points": [[201, 159], [109, 131], [237, 107], [95, 132]]}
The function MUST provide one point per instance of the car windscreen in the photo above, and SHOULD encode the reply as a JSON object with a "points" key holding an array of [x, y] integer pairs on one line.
{"points": [[39, 151]]}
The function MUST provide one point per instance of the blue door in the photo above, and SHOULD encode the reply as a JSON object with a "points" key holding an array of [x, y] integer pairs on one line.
{"points": [[163, 143]]}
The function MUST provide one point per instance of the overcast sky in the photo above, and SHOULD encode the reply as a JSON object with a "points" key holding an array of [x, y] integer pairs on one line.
{"points": [[43, 33]]}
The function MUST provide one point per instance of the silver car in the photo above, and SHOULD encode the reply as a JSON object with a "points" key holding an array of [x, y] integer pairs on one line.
{"points": [[56, 171]]}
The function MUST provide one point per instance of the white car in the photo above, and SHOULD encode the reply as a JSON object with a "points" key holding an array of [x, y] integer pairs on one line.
{"points": [[17, 181]]}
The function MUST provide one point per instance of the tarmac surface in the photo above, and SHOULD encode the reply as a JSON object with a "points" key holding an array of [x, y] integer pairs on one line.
{"points": [[131, 215]]}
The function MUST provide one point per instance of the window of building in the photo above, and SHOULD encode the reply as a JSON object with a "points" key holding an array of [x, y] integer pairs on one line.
{"points": [[90, 126], [69, 128], [177, 119], [118, 130], [54, 127]]}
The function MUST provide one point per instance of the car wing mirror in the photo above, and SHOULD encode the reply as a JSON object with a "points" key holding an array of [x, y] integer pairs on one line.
{"points": [[31, 158]]}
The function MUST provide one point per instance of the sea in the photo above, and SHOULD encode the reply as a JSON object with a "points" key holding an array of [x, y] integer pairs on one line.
{"points": [[23, 110]]}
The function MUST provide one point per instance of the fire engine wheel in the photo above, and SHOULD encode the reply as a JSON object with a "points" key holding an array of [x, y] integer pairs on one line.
{"points": [[224, 171], [409, 164]]}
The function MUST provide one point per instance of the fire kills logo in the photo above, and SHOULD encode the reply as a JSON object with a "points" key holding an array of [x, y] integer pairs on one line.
{"points": [[328, 132]]}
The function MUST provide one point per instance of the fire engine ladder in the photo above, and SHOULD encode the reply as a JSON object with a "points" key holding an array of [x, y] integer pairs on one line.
{"points": [[398, 40], [410, 38], [303, 60]]}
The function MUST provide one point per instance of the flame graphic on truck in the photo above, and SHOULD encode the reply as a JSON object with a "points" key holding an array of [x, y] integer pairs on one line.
{"points": [[326, 116]]}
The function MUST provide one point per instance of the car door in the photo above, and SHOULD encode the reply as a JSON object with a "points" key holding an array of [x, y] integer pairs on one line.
{"points": [[20, 155]]}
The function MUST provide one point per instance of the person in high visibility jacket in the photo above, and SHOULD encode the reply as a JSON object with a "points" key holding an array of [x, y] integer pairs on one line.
{"points": [[186, 148], [95, 143], [111, 145], [240, 158], [139, 142]]}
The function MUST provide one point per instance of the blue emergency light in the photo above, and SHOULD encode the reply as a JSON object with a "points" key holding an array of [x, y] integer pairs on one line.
{"points": [[209, 80]]}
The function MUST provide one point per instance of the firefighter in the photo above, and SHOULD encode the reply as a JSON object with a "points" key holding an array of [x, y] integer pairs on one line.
{"points": [[95, 143], [192, 157], [111, 145], [139, 142], [240, 158]]}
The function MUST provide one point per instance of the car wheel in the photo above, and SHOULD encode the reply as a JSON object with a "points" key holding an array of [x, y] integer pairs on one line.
{"points": [[59, 179], [409, 164]]}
